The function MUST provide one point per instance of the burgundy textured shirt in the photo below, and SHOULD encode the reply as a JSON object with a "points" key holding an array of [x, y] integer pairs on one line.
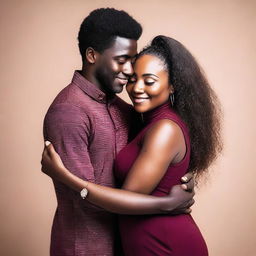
{"points": [[87, 131]]}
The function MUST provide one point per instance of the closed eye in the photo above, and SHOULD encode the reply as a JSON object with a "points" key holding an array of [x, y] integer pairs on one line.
{"points": [[149, 81], [121, 60], [132, 80]]}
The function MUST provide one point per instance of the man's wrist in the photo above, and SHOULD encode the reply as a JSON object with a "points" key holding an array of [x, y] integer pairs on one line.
{"points": [[167, 204]]}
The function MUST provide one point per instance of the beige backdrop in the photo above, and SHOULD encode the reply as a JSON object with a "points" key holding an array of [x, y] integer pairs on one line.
{"points": [[38, 55]]}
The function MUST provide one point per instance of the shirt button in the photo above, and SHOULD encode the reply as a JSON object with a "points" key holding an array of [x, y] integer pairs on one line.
{"points": [[101, 97]]}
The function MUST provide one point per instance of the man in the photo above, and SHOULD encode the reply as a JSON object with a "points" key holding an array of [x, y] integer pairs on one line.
{"points": [[88, 125]]}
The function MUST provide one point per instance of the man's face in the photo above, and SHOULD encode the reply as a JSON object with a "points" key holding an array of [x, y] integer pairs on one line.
{"points": [[114, 65]]}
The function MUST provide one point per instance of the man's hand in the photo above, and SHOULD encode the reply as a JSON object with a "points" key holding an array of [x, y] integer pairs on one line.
{"points": [[181, 196], [181, 200], [188, 181]]}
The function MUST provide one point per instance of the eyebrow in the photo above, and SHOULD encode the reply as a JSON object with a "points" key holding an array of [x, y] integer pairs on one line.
{"points": [[126, 56], [123, 56], [149, 74]]}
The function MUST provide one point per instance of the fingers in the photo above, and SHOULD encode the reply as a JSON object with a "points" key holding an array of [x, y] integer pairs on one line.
{"points": [[184, 186], [45, 156], [189, 195], [187, 205], [49, 148], [189, 210], [190, 203], [187, 177], [184, 208], [189, 186], [47, 143], [189, 182]]}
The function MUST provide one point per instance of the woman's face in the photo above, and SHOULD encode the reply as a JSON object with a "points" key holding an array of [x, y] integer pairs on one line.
{"points": [[149, 87]]}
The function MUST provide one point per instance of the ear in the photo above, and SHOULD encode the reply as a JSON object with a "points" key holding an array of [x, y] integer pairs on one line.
{"points": [[90, 55]]}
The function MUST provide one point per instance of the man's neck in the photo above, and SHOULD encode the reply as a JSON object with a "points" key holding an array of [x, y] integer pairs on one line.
{"points": [[88, 76]]}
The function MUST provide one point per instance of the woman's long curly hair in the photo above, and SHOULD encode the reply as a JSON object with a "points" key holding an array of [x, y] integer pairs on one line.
{"points": [[195, 101]]}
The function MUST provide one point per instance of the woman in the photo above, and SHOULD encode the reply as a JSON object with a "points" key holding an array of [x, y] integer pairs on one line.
{"points": [[180, 134]]}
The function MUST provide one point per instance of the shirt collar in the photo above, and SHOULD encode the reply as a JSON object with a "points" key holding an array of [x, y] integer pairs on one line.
{"points": [[89, 88]]}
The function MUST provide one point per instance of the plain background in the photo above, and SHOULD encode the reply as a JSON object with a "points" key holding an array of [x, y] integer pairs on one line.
{"points": [[38, 56]]}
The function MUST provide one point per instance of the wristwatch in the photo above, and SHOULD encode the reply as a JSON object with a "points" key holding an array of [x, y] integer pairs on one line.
{"points": [[84, 193]]}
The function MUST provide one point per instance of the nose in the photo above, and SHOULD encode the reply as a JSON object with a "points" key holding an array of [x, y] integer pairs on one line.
{"points": [[138, 87], [127, 68]]}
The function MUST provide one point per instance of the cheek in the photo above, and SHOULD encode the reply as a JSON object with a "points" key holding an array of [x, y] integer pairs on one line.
{"points": [[109, 68], [115, 67], [128, 88], [156, 90], [159, 92]]}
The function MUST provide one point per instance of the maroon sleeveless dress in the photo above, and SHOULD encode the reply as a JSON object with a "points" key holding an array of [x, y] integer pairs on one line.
{"points": [[158, 234]]}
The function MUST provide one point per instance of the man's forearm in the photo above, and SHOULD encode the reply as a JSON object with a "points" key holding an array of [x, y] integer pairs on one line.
{"points": [[122, 201]]}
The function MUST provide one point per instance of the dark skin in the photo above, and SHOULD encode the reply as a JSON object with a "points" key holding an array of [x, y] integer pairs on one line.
{"points": [[109, 71], [164, 143], [118, 200]]}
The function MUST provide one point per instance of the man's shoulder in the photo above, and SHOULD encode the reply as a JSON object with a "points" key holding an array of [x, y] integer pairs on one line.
{"points": [[71, 94], [66, 106], [71, 97]]}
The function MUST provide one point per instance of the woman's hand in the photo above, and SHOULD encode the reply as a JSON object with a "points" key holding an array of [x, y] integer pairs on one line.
{"points": [[51, 163]]}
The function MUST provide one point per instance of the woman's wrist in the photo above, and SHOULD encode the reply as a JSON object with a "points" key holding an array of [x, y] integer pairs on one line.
{"points": [[74, 182], [66, 177]]}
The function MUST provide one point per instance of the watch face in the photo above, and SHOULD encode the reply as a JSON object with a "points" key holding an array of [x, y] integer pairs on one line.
{"points": [[84, 193]]}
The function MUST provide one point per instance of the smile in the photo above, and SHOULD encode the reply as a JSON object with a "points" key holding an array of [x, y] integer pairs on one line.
{"points": [[138, 100], [122, 81]]}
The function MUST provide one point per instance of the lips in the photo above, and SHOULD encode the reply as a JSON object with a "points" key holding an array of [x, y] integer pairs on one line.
{"points": [[122, 80], [139, 100]]}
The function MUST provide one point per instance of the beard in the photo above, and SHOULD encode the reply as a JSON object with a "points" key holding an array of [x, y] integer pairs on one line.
{"points": [[108, 82]]}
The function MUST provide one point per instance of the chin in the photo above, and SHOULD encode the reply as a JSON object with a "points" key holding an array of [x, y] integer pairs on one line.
{"points": [[118, 89], [140, 109]]}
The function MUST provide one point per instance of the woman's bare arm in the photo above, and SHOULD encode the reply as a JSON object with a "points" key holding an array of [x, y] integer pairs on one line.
{"points": [[163, 144], [118, 200]]}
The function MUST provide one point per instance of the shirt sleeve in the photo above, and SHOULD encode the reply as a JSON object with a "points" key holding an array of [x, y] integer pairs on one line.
{"points": [[69, 130]]}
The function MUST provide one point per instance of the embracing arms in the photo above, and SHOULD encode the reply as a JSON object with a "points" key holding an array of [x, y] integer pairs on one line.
{"points": [[115, 200], [118, 200]]}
